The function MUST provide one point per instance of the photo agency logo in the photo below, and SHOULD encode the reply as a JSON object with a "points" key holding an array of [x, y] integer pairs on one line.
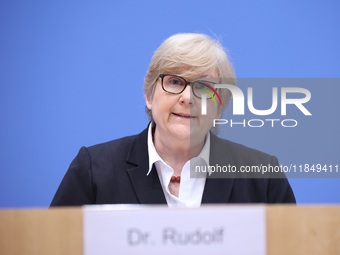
{"points": [[295, 96]]}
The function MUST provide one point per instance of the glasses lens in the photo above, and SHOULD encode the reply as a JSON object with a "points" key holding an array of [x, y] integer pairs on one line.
{"points": [[173, 84], [203, 87]]}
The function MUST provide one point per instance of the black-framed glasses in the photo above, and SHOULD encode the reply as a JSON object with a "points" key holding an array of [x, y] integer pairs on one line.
{"points": [[175, 84]]}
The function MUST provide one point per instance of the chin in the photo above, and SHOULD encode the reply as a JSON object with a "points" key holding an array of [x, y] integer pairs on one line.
{"points": [[183, 135], [186, 132]]}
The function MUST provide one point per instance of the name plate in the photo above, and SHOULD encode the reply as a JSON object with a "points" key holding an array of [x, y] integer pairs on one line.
{"points": [[126, 229]]}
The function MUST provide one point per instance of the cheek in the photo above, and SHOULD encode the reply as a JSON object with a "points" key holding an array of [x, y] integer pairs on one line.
{"points": [[161, 103], [212, 110], [212, 113], [151, 103]]}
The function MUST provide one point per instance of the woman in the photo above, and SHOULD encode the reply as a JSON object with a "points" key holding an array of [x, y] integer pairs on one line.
{"points": [[156, 166]]}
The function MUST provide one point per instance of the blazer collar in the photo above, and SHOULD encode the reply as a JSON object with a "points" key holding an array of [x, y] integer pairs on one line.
{"points": [[218, 189], [148, 189]]}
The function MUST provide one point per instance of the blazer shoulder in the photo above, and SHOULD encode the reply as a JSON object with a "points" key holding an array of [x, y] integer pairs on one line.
{"points": [[120, 147], [239, 152], [116, 144]]}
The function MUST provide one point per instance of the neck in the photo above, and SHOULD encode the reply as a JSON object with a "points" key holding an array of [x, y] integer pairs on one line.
{"points": [[176, 152]]}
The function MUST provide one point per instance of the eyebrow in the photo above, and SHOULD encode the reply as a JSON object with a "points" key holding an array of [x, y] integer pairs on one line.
{"points": [[208, 77]]}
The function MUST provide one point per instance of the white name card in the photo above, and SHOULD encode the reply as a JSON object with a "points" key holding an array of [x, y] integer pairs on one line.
{"points": [[130, 230]]}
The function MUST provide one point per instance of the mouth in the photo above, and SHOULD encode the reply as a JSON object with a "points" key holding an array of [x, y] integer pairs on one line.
{"points": [[184, 115]]}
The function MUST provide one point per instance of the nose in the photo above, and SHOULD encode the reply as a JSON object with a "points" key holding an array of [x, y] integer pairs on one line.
{"points": [[186, 96]]}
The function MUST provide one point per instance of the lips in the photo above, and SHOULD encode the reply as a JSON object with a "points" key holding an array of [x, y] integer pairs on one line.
{"points": [[184, 115]]}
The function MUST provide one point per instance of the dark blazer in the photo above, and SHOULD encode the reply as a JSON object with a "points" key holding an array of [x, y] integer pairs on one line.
{"points": [[115, 173]]}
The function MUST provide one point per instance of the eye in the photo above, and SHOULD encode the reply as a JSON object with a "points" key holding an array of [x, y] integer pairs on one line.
{"points": [[200, 85], [203, 87], [175, 81]]}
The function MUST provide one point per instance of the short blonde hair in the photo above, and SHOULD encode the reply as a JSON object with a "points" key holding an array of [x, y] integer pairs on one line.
{"points": [[190, 55]]}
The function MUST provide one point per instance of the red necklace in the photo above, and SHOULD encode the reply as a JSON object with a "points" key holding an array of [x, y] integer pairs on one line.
{"points": [[175, 179]]}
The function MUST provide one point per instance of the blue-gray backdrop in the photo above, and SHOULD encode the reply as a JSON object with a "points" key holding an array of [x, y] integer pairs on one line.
{"points": [[71, 74]]}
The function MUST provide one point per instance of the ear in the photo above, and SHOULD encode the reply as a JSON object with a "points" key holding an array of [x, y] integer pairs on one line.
{"points": [[148, 102], [220, 112]]}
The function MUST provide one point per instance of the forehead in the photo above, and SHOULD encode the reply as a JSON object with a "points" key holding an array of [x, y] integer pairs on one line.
{"points": [[195, 73]]}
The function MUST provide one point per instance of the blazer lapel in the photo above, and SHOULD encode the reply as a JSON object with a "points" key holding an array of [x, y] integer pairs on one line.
{"points": [[218, 189], [148, 188]]}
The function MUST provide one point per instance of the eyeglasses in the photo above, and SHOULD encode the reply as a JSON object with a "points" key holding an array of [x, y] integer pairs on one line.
{"points": [[175, 84]]}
